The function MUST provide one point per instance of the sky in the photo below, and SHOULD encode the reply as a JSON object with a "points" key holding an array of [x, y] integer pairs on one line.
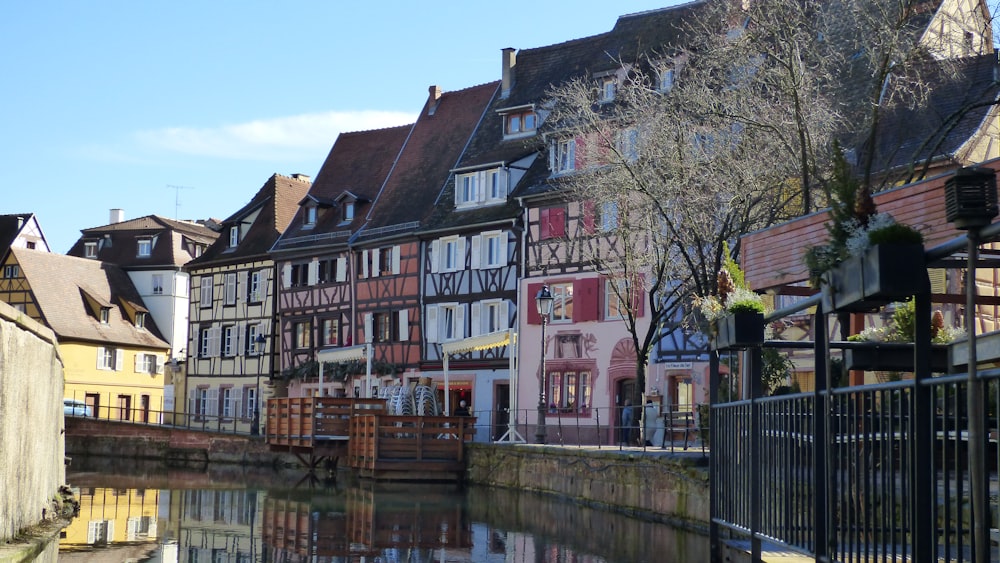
{"points": [[184, 109]]}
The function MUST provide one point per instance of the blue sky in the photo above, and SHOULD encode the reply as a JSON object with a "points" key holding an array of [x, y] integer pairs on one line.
{"points": [[110, 104]]}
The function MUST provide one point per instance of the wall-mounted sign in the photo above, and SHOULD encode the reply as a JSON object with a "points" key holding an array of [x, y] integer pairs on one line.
{"points": [[678, 365]]}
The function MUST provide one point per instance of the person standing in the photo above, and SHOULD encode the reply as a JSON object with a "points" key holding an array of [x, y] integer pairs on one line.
{"points": [[462, 410], [627, 421]]}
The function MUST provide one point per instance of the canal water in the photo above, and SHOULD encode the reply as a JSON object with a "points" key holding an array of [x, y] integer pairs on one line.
{"points": [[149, 513]]}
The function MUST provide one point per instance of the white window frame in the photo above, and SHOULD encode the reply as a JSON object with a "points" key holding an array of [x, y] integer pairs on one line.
{"points": [[90, 250], [490, 315], [230, 335], [252, 331], [140, 320], [493, 186], [229, 295], [564, 156], [157, 281], [348, 211], [561, 296], [609, 85], [452, 319], [256, 283], [205, 297], [144, 247], [234, 236], [311, 213], [452, 254], [11, 271], [614, 306], [493, 250], [467, 189]]}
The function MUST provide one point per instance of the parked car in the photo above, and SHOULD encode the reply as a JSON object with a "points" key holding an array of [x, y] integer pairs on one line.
{"points": [[75, 407]]}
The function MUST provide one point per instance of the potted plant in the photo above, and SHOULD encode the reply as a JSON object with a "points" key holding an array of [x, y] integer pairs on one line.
{"points": [[890, 347], [735, 313], [870, 259]]}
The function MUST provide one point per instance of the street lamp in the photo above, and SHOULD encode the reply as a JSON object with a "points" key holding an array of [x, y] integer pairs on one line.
{"points": [[255, 423], [543, 301]]}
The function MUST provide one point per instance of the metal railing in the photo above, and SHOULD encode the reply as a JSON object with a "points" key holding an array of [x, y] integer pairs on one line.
{"points": [[239, 425]]}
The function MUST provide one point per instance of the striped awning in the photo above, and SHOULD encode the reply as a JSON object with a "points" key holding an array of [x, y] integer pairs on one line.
{"points": [[476, 343], [335, 355]]}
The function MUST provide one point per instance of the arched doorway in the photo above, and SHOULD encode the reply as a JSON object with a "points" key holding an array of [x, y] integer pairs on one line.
{"points": [[622, 375]]}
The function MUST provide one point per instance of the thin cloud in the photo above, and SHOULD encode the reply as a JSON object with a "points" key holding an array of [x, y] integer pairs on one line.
{"points": [[268, 139]]}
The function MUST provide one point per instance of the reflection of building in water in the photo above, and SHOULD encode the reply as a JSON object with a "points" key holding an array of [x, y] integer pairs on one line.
{"points": [[113, 516], [411, 525], [216, 525]]}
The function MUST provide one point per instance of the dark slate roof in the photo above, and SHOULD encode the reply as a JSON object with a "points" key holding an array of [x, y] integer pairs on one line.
{"points": [[275, 203], [956, 110], [633, 37], [58, 284], [438, 139], [167, 250], [357, 166]]}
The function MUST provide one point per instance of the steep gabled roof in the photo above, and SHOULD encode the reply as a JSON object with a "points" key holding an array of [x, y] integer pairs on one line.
{"points": [[20, 225], [271, 209], [166, 251], [358, 164], [61, 286], [433, 148], [955, 112]]}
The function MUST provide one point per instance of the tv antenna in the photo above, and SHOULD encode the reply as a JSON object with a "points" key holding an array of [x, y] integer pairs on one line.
{"points": [[177, 198]]}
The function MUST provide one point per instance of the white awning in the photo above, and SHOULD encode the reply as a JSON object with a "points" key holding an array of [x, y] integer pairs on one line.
{"points": [[347, 354], [476, 343]]}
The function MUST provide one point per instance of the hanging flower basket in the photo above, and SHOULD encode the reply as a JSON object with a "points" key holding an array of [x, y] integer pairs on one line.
{"points": [[893, 357], [739, 330], [883, 274]]}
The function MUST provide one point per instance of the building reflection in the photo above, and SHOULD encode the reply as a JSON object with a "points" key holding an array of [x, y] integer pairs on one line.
{"points": [[113, 525]]}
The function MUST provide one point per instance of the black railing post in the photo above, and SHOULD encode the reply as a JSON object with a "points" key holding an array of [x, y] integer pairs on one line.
{"points": [[923, 483], [821, 483], [715, 541], [755, 360]]}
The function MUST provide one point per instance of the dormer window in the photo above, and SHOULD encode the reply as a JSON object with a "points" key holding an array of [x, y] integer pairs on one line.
{"points": [[564, 156], [145, 248], [105, 315], [608, 85], [519, 123], [484, 187], [234, 236], [140, 320], [310, 219], [90, 249], [348, 211]]}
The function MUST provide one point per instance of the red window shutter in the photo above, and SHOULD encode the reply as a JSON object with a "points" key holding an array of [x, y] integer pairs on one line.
{"points": [[543, 224], [557, 221], [588, 217], [586, 299], [533, 317]]}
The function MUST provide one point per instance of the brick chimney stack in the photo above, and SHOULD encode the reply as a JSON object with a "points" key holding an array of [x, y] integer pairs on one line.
{"points": [[508, 62], [434, 94]]}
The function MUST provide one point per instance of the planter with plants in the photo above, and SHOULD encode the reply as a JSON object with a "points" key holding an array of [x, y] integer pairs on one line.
{"points": [[870, 260], [735, 313], [890, 348]]}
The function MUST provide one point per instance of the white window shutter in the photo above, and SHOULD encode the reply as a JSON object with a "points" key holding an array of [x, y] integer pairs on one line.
{"points": [[213, 401], [119, 359], [477, 325], [193, 402], [215, 341], [159, 365], [404, 325], [460, 253], [238, 346], [376, 262], [314, 271], [100, 358], [502, 181], [368, 327], [237, 405], [504, 314], [341, 269], [431, 324], [482, 185], [435, 253], [138, 362], [460, 321], [286, 276], [364, 263], [241, 286], [395, 259], [477, 243]]}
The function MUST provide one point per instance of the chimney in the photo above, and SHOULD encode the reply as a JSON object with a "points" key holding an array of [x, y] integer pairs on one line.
{"points": [[302, 177], [117, 216], [508, 61], [434, 94]]}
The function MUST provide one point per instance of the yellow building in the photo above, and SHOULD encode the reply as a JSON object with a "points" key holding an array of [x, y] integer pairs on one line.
{"points": [[113, 353]]}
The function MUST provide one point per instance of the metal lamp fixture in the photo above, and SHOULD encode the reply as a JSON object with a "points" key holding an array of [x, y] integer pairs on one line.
{"points": [[970, 198], [543, 302]]}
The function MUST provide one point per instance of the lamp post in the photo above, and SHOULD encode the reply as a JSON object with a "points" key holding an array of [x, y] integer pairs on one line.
{"points": [[543, 301], [255, 423]]}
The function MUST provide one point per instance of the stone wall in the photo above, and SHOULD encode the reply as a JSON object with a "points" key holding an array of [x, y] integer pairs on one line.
{"points": [[32, 464], [667, 487]]}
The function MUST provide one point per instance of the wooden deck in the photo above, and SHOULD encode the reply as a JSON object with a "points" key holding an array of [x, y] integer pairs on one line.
{"points": [[376, 445]]}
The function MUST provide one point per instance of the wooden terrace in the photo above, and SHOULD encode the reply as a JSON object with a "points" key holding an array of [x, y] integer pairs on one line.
{"points": [[321, 430]]}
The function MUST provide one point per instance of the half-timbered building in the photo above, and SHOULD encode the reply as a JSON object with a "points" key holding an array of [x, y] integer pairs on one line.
{"points": [[315, 264], [388, 250], [232, 313]]}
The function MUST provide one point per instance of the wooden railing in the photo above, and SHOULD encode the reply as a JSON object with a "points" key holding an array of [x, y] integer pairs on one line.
{"points": [[304, 421], [377, 440]]}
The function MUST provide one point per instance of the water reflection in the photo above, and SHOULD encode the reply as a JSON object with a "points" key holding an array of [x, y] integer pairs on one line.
{"points": [[158, 514]]}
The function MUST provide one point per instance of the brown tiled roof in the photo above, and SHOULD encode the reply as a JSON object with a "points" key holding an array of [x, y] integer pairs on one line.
{"points": [[439, 137], [58, 284], [358, 163], [167, 249], [277, 201]]}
